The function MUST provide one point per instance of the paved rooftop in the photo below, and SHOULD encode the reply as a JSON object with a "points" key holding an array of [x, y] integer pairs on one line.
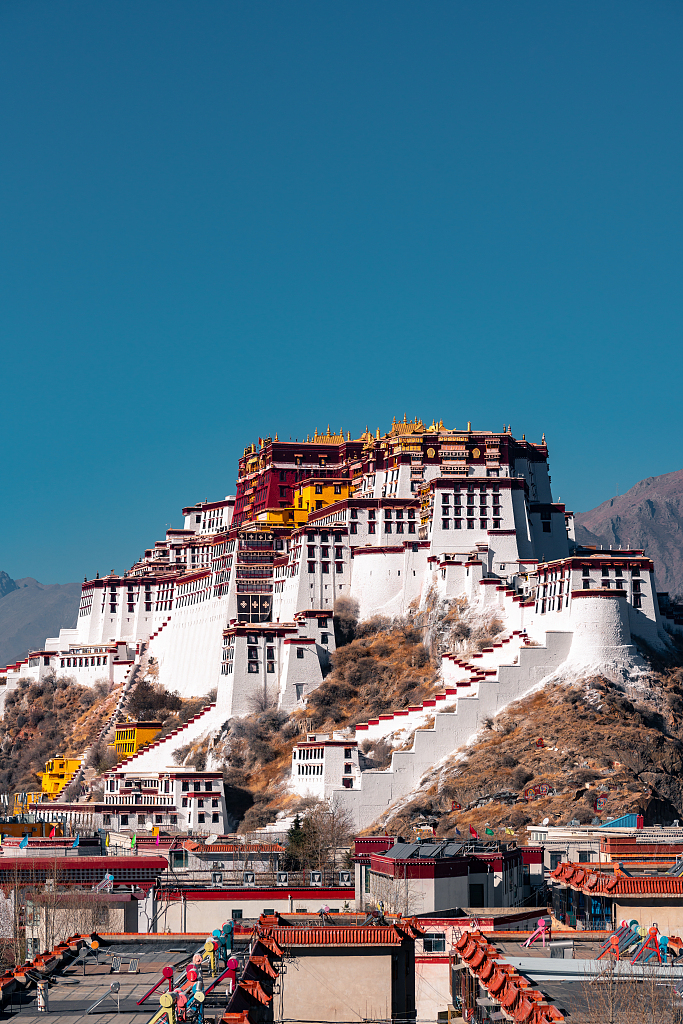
{"points": [[76, 988]]}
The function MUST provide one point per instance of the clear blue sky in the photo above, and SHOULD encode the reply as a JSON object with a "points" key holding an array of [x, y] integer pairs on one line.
{"points": [[226, 219]]}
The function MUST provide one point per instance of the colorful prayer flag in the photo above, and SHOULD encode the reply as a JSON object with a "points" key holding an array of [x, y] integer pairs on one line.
{"points": [[473, 832], [489, 831]]}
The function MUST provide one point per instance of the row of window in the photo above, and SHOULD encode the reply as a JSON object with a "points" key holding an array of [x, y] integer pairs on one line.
{"points": [[325, 551], [457, 524], [325, 567], [396, 513], [552, 604], [81, 662]]}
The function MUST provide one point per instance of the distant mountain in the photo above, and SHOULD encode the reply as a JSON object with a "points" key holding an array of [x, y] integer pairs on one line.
{"points": [[649, 516], [31, 611]]}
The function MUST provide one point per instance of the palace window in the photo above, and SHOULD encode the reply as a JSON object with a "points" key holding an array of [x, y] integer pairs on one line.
{"points": [[387, 527], [445, 524], [371, 527], [311, 566], [326, 567], [354, 528], [299, 652], [637, 601], [325, 552], [253, 666], [470, 524], [457, 524], [339, 567]]}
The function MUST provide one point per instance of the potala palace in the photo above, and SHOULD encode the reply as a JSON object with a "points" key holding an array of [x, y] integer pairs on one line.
{"points": [[240, 599]]}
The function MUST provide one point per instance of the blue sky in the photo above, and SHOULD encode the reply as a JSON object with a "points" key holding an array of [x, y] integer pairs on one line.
{"points": [[223, 220]]}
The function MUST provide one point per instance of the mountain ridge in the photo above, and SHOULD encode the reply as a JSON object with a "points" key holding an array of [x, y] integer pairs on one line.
{"points": [[648, 516], [30, 611]]}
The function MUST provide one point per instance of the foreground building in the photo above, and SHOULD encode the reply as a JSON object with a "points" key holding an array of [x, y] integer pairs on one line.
{"points": [[345, 971], [440, 875]]}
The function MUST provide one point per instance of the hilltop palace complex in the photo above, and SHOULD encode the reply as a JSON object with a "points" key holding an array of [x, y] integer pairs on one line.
{"points": [[241, 599]]}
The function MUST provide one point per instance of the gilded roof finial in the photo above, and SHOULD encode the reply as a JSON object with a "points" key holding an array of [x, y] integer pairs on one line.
{"points": [[276, 437], [348, 435], [469, 426], [543, 438], [405, 418], [378, 433]]}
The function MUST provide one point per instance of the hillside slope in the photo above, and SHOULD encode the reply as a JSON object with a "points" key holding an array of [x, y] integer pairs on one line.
{"points": [[649, 516], [31, 611], [583, 741]]}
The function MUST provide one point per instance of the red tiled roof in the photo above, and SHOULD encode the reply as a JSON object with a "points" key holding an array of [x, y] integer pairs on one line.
{"points": [[521, 1002], [585, 880], [253, 988], [333, 935]]}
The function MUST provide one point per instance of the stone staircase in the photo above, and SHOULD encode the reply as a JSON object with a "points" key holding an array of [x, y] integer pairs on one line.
{"points": [[484, 692], [461, 678]]}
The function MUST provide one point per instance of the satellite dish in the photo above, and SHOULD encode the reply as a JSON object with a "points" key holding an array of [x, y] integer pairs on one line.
{"points": [[149, 826], [210, 840], [545, 821]]}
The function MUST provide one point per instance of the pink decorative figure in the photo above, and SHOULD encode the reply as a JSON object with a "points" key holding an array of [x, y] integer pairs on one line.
{"points": [[539, 933]]}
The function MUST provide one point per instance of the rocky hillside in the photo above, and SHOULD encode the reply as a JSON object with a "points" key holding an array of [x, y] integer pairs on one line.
{"points": [[583, 742], [649, 516], [45, 719], [31, 611]]}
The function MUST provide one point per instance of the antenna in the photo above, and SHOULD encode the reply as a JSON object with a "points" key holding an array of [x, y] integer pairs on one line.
{"points": [[210, 840]]}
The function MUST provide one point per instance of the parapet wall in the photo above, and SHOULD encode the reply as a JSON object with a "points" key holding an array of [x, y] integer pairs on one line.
{"points": [[449, 731]]}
